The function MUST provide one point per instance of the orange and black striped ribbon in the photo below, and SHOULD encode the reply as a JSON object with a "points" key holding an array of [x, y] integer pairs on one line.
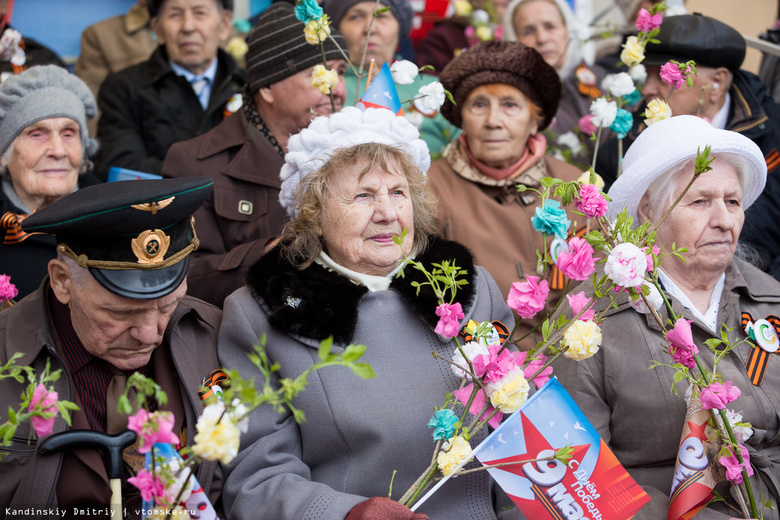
{"points": [[501, 329], [772, 160], [556, 278], [218, 378], [12, 223], [758, 358]]}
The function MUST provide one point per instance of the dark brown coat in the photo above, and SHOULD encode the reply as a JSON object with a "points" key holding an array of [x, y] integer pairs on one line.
{"points": [[242, 213]]}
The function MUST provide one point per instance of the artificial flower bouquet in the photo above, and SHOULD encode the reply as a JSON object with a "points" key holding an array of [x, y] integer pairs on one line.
{"points": [[167, 482]]}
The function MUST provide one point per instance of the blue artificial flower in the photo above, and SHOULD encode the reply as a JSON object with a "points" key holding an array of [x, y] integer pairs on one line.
{"points": [[242, 25], [633, 98], [550, 219], [624, 120], [444, 422], [307, 10]]}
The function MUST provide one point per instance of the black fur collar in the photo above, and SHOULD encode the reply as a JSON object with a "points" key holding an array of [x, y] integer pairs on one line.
{"points": [[316, 303]]}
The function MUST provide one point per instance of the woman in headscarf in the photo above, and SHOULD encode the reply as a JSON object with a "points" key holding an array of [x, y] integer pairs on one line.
{"points": [[505, 96], [351, 181], [45, 155], [549, 26], [632, 407]]}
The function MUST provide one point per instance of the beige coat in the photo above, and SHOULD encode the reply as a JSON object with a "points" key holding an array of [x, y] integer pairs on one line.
{"points": [[112, 45], [641, 420], [493, 219]]}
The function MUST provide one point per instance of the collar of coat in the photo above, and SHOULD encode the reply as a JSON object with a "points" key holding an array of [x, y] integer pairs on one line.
{"points": [[316, 303], [157, 66]]}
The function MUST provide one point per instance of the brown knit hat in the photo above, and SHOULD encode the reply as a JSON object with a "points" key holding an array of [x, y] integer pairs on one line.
{"points": [[511, 63]]}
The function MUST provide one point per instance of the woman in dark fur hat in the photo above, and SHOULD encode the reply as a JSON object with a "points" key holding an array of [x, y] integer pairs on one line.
{"points": [[350, 182], [505, 95]]}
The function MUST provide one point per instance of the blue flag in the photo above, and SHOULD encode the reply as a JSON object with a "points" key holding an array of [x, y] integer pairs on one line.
{"points": [[381, 93]]}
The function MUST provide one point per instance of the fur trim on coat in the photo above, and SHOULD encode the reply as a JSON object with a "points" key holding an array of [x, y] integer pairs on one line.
{"points": [[316, 303]]}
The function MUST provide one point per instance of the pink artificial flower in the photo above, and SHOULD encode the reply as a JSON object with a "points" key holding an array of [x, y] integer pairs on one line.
{"points": [[650, 265], [672, 75], [647, 23], [577, 302], [577, 263], [151, 486], [734, 468], [626, 265], [7, 289], [151, 428], [528, 298], [48, 400], [718, 395], [591, 202], [535, 365], [498, 32], [469, 32], [464, 394], [449, 319], [586, 125], [681, 345], [494, 366]]}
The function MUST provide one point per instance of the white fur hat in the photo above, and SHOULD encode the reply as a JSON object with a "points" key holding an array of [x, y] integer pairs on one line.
{"points": [[312, 147], [668, 143]]}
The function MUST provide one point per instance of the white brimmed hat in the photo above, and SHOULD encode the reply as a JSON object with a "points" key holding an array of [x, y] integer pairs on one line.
{"points": [[668, 143], [312, 147]]}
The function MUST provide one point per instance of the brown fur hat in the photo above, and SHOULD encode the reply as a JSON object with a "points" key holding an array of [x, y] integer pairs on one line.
{"points": [[511, 63]]}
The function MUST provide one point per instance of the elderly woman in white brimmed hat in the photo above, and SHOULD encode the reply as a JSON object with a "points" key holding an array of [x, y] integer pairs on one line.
{"points": [[632, 406], [351, 181]]}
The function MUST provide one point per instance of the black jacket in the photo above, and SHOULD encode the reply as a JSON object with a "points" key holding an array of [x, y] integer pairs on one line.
{"points": [[147, 107], [754, 114]]}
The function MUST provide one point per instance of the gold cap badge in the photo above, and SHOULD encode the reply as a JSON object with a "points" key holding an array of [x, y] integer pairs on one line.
{"points": [[155, 206], [150, 246]]}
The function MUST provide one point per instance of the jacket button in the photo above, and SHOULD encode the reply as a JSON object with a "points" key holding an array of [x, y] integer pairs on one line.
{"points": [[244, 207]]}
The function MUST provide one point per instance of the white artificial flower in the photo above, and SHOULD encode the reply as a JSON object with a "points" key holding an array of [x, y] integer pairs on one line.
{"points": [[218, 436], [675, 10], [570, 141], [622, 85], [742, 433], [510, 392], [414, 117], [638, 73], [607, 82], [472, 349], [604, 112], [404, 72], [239, 416], [626, 265], [180, 480], [480, 16], [430, 98], [655, 298]]}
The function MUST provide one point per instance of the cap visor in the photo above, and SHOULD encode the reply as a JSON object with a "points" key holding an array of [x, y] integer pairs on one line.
{"points": [[142, 284]]}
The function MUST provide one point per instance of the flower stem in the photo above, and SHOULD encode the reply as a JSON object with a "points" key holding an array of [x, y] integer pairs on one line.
{"points": [[325, 64], [181, 492], [596, 148]]}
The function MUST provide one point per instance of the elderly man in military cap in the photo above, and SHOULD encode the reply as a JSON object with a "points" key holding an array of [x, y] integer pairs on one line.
{"points": [[730, 98], [113, 303], [245, 152]]}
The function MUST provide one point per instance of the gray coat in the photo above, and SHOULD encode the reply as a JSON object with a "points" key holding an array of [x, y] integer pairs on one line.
{"points": [[637, 415], [356, 431]]}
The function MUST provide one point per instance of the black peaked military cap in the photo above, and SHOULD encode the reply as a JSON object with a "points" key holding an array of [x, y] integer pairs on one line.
{"points": [[134, 236], [705, 40]]}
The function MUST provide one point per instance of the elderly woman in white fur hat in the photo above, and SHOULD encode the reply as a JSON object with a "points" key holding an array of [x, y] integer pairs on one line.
{"points": [[351, 181], [44, 152], [631, 406]]}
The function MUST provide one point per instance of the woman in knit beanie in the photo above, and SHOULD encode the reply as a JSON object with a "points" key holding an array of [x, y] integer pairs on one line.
{"points": [[505, 95], [44, 155]]}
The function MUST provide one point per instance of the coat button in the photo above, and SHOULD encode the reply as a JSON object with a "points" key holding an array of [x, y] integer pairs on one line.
{"points": [[244, 207]]}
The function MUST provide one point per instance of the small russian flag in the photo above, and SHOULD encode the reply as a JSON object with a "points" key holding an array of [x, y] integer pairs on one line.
{"points": [[381, 93]]}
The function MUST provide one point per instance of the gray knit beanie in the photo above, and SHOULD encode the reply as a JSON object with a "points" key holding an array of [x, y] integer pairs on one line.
{"points": [[278, 48], [154, 6], [43, 92], [401, 9]]}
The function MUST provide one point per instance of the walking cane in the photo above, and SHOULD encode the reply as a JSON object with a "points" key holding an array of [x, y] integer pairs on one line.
{"points": [[113, 445]]}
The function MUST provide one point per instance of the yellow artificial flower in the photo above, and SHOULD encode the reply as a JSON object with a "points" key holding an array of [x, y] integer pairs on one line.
{"points": [[484, 33], [455, 451], [237, 48], [324, 79], [633, 52], [317, 30], [585, 179], [218, 435], [463, 7], [657, 110], [510, 392], [583, 339]]}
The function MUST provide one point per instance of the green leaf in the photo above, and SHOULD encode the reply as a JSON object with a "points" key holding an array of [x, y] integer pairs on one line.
{"points": [[382, 10], [324, 351], [449, 96], [11, 415], [363, 370], [352, 353]]}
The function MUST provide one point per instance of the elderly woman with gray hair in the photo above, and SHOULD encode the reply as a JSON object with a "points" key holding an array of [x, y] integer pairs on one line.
{"points": [[45, 155], [631, 406], [351, 181]]}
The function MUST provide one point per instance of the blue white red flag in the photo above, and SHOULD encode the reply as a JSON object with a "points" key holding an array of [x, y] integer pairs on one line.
{"points": [[381, 93]]}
